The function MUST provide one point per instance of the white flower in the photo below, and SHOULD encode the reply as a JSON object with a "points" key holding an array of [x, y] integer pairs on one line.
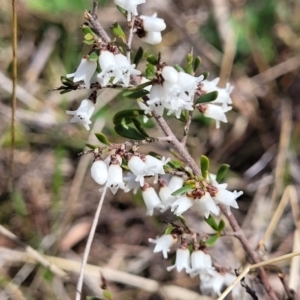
{"points": [[163, 244], [227, 198], [130, 6], [83, 113], [151, 199], [215, 112], [170, 74], [153, 23], [155, 166], [206, 205], [156, 100], [175, 183], [152, 37], [115, 178], [99, 171], [166, 198], [138, 168], [201, 263], [223, 93], [182, 204], [182, 260], [125, 69], [129, 179], [211, 285], [188, 82], [144, 107], [108, 67], [84, 72]]}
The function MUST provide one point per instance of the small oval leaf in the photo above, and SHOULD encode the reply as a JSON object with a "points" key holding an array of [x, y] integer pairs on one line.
{"points": [[139, 126], [197, 63], [211, 240], [222, 172], [183, 190], [221, 225], [138, 56], [102, 138], [169, 229], [207, 97], [127, 114], [129, 132], [204, 164], [118, 31], [212, 222]]}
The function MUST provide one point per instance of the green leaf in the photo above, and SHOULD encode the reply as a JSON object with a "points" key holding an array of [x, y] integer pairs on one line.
{"points": [[91, 146], [152, 59], [205, 74], [128, 132], [48, 275], [127, 114], [197, 63], [86, 30], [169, 229], [179, 68], [221, 172], [182, 220], [93, 56], [102, 138], [135, 94], [91, 42], [89, 37], [211, 240], [176, 164], [138, 56], [118, 31], [139, 126], [19, 203], [150, 71], [207, 97], [189, 68], [212, 222], [122, 11], [204, 163], [107, 294], [184, 189], [221, 225], [189, 58]]}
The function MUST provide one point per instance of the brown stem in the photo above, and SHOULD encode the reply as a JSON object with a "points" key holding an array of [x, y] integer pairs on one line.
{"points": [[254, 257], [187, 128]]}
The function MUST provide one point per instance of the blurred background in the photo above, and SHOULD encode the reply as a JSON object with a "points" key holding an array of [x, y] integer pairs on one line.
{"points": [[255, 45]]}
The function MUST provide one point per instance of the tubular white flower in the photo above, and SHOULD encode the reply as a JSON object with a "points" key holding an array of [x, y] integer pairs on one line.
{"points": [[182, 260], [223, 93], [83, 113], [153, 23], [125, 69], [152, 37], [151, 200], [115, 178], [211, 285], [138, 168], [99, 171], [182, 204], [109, 68], [175, 183], [216, 112], [130, 6], [129, 179], [155, 166], [84, 72], [227, 198], [170, 74], [163, 244], [188, 82], [156, 100], [201, 263], [206, 205], [166, 198]]}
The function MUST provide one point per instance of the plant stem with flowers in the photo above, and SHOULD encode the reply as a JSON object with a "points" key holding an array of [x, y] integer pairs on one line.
{"points": [[174, 91]]}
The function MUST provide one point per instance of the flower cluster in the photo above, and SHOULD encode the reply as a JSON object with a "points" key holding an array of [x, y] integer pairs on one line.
{"points": [[176, 93]]}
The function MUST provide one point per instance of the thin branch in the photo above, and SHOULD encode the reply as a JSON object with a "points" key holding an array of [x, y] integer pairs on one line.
{"points": [[36, 255], [130, 38], [187, 128], [97, 27], [95, 7], [88, 245], [13, 97]]}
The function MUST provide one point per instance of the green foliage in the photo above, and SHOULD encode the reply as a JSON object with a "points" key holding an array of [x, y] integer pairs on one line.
{"points": [[152, 59], [102, 138], [183, 190], [150, 71], [93, 56], [204, 164], [221, 226], [118, 31], [197, 64], [212, 240], [212, 222], [169, 229], [135, 94], [18, 203], [127, 114], [207, 97], [138, 56], [222, 172], [128, 132]]}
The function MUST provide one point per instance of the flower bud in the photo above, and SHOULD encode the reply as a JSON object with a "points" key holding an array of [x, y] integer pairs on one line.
{"points": [[170, 74], [99, 171]]}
